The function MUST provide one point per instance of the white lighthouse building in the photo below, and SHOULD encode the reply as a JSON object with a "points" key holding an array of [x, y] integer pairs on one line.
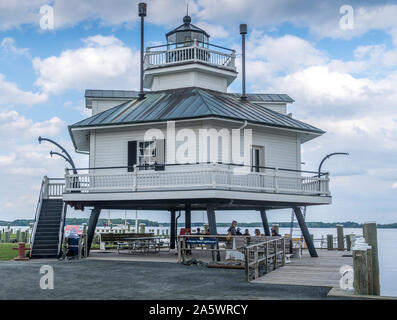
{"points": [[188, 144]]}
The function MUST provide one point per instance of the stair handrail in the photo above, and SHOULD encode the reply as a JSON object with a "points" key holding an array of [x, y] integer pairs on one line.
{"points": [[61, 227], [37, 215]]}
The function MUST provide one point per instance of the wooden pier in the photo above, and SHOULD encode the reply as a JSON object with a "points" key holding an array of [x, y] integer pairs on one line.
{"points": [[322, 271]]}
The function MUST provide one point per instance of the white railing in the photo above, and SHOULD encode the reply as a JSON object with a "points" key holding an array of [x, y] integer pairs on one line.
{"points": [[190, 53], [203, 176]]}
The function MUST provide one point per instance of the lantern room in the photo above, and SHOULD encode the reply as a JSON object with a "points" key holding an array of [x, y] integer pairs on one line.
{"points": [[185, 34]]}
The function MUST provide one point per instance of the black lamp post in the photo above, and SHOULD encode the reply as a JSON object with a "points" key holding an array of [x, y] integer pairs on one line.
{"points": [[327, 157], [243, 32], [68, 158], [142, 13]]}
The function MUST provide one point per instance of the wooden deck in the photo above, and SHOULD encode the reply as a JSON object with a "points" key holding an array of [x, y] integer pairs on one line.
{"points": [[322, 271]]}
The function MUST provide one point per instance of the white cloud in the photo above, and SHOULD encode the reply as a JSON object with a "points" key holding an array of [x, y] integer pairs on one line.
{"points": [[8, 45], [215, 31], [103, 62], [10, 94], [6, 160], [15, 13], [320, 85], [12, 123]]}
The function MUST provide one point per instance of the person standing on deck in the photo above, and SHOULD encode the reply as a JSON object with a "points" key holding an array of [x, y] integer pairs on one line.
{"points": [[232, 230]]}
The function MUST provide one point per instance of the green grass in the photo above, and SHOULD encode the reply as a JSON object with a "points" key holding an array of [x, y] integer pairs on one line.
{"points": [[6, 252]]}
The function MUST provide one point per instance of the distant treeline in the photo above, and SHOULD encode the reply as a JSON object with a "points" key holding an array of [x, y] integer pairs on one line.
{"points": [[148, 223]]}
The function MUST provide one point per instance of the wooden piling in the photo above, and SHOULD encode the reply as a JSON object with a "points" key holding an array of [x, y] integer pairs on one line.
{"points": [[370, 235], [370, 271], [339, 229], [330, 242], [348, 242], [360, 266]]}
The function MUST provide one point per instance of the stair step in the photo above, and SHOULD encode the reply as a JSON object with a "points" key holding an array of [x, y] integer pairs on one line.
{"points": [[46, 233], [46, 224], [46, 242], [51, 212], [45, 246], [45, 251], [46, 238], [50, 219]]}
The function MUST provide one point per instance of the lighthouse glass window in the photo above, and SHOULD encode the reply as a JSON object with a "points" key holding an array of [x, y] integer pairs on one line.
{"points": [[146, 153]]}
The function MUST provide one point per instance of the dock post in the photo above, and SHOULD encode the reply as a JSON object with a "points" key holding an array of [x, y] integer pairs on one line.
{"points": [[339, 230], [92, 226], [173, 229], [348, 242], [360, 267], [305, 232], [330, 242], [265, 223], [370, 235]]}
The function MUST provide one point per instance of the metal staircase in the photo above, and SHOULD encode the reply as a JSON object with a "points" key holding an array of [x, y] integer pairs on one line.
{"points": [[47, 233]]}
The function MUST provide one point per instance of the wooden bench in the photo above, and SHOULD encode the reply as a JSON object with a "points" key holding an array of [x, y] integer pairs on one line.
{"points": [[119, 238]]}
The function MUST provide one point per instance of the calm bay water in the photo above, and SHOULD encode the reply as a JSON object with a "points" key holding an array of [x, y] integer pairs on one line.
{"points": [[387, 246]]}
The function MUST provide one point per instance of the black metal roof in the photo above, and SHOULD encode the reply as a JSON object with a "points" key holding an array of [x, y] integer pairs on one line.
{"points": [[90, 93], [191, 103], [187, 26]]}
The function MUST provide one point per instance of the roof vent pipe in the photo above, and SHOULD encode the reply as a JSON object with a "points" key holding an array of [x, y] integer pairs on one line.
{"points": [[142, 14], [243, 32]]}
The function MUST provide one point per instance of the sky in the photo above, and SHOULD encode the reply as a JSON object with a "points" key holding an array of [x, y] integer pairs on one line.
{"points": [[338, 63]]}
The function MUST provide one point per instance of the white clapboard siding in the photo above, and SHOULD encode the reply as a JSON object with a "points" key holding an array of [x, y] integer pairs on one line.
{"points": [[282, 148]]}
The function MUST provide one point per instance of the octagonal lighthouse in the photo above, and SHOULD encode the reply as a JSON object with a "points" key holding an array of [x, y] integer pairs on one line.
{"points": [[189, 60], [187, 144]]}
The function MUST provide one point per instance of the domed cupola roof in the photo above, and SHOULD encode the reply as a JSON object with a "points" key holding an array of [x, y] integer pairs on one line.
{"points": [[187, 32]]}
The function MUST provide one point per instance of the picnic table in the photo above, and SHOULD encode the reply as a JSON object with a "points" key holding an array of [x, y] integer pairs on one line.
{"points": [[141, 244]]}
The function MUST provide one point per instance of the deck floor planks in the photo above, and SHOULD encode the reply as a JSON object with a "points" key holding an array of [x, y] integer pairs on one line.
{"points": [[321, 271]]}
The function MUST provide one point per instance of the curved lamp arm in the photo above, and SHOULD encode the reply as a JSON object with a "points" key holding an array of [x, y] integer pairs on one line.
{"points": [[60, 155], [69, 158], [327, 157]]}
